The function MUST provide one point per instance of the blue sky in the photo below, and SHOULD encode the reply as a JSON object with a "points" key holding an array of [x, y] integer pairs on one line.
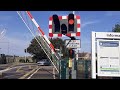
{"points": [[17, 37]]}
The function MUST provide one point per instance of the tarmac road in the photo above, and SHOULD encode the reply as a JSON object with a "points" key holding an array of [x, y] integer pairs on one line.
{"points": [[26, 71]]}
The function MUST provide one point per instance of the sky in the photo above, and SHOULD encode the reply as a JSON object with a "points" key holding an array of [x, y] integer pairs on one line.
{"points": [[15, 36]]}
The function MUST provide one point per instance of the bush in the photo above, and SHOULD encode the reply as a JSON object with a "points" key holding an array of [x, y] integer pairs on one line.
{"points": [[27, 60], [22, 60]]}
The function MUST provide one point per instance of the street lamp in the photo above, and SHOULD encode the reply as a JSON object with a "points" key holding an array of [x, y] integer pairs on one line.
{"points": [[25, 54]]}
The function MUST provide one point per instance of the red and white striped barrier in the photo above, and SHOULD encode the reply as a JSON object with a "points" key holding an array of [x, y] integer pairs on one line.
{"points": [[43, 34]]}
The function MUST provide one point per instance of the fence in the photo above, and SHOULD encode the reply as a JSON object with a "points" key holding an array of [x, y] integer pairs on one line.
{"points": [[84, 69]]}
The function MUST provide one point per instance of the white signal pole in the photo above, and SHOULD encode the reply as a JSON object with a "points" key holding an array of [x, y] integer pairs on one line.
{"points": [[73, 12]]}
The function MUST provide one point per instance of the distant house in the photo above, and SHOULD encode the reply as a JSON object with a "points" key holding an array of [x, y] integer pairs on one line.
{"points": [[84, 56], [4, 59], [17, 59]]}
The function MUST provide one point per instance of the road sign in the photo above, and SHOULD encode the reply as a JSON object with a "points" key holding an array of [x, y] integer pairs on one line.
{"points": [[73, 43], [60, 54]]}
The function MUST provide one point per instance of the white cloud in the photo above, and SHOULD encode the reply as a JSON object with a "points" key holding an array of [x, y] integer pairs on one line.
{"points": [[89, 23]]}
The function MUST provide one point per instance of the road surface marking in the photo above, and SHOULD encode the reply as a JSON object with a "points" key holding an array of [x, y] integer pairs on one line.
{"points": [[1, 71], [24, 76], [33, 73], [30, 67], [18, 70], [9, 68], [12, 65], [11, 75]]}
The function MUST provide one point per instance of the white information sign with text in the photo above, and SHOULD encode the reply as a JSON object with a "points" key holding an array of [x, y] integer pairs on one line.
{"points": [[108, 57], [72, 43], [105, 54]]}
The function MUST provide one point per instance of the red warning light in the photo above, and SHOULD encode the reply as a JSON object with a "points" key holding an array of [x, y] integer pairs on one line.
{"points": [[71, 21]]}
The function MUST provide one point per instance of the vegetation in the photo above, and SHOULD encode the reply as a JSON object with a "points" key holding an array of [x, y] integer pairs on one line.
{"points": [[36, 51], [22, 60], [116, 28]]}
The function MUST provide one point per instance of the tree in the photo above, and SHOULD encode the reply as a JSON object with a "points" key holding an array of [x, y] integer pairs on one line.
{"points": [[37, 52], [116, 28], [57, 43]]}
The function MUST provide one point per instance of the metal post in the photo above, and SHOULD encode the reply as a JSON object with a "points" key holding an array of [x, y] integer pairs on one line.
{"points": [[76, 63], [54, 73], [76, 55], [25, 54], [74, 68], [60, 69], [60, 51], [63, 69], [72, 65], [1, 75], [86, 69], [8, 52], [93, 64], [8, 47], [70, 73]]}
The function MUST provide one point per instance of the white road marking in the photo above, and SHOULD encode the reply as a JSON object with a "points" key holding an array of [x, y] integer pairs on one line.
{"points": [[18, 69], [1, 71], [33, 73], [24, 76]]}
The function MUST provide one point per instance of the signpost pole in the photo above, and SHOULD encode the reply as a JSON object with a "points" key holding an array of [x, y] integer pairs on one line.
{"points": [[72, 44], [93, 64]]}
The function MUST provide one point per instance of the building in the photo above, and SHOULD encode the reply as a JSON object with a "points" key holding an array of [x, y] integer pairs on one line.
{"points": [[17, 59], [84, 56], [5, 59]]}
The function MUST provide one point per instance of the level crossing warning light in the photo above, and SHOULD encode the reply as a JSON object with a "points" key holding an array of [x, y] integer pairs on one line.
{"points": [[64, 25]]}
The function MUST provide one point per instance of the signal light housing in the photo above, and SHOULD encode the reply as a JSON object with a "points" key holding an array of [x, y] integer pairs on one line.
{"points": [[56, 23], [64, 25], [63, 29], [71, 53], [71, 22]]}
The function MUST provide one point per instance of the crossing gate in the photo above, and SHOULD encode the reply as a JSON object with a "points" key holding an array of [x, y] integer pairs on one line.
{"points": [[43, 41]]}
